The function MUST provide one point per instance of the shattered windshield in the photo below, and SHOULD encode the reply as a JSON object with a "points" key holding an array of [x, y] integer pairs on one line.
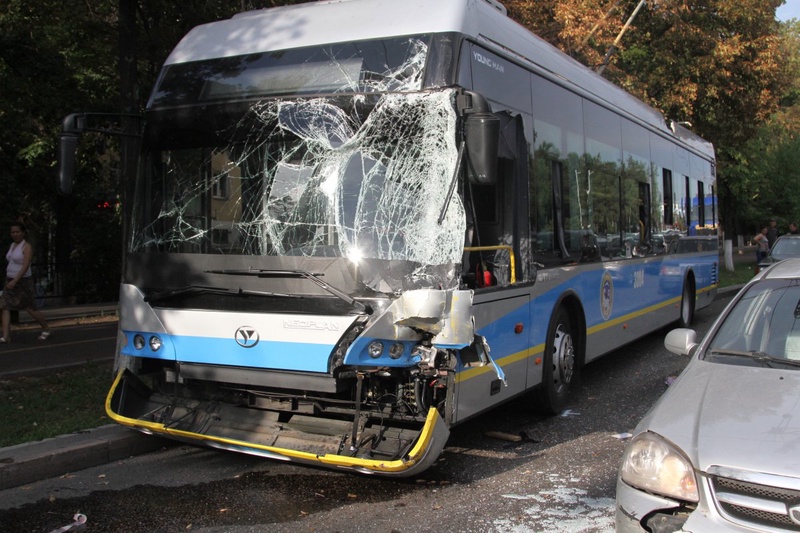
{"points": [[364, 178]]}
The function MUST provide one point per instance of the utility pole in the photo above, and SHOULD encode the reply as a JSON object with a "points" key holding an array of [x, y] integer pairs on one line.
{"points": [[613, 47]]}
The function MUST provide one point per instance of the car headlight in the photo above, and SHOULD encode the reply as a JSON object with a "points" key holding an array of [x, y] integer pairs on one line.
{"points": [[651, 463]]}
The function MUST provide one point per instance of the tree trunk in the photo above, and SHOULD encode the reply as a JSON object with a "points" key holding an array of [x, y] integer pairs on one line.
{"points": [[129, 105]]}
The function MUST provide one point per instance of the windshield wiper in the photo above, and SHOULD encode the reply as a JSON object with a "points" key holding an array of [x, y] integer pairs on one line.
{"points": [[762, 357], [262, 273], [195, 289]]}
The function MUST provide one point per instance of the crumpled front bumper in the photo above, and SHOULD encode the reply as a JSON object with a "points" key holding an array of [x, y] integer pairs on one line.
{"points": [[426, 449]]}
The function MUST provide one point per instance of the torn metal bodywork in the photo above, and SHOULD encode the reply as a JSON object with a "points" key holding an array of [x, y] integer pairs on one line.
{"points": [[383, 406]]}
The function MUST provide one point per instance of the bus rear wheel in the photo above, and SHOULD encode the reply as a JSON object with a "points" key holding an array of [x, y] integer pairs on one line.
{"points": [[560, 365]]}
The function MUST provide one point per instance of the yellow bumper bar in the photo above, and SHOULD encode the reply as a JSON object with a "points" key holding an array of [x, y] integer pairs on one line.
{"points": [[426, 450]]}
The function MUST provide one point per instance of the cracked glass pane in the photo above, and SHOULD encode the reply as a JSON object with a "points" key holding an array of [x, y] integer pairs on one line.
{"points": [[362, 176]]}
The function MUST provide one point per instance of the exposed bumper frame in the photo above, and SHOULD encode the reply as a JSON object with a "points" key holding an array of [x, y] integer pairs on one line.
{"points": [[423, 454]]}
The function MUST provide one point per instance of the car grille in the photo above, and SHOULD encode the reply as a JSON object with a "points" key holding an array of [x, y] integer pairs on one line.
{"points": [[755, 505]]}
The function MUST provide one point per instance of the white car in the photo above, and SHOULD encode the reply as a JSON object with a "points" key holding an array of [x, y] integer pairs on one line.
{"points": [[720, 450]]}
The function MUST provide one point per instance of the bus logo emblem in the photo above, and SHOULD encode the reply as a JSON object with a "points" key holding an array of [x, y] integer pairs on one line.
{"points": [[246, 337], [606, 295]]}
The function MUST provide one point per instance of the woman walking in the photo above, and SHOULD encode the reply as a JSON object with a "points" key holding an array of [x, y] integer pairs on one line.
{"points": [[18, 289]]}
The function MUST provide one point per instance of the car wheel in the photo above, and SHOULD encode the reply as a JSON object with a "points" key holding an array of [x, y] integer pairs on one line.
{"points": [[560, 365], [687, 304]]}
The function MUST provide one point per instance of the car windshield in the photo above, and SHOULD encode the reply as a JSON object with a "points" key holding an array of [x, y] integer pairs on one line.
{"points": [[786, 247], [764, 324]]}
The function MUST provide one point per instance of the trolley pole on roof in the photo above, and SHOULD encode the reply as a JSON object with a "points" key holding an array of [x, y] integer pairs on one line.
{"points": [[601, 21], [613, 47]]}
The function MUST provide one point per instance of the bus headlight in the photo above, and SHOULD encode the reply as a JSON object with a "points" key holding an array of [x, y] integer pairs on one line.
{"points": [[138, 341], [155, 343], [396, 350], [375, 349], [651, 463]]}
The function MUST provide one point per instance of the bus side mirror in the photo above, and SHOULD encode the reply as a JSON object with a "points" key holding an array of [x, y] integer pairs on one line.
{"points": [[71, 128], [67, 145], [482, 132], [74, 125]]}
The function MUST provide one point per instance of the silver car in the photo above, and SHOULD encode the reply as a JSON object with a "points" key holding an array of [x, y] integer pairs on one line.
{"points": [[785, 247], [720, 450]]}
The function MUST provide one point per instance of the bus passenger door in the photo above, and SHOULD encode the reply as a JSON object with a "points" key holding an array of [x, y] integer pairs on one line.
{"points": [[501, 309], [497, 212]]}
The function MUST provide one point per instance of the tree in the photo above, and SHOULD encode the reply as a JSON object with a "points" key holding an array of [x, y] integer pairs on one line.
{"points": [[51, 62], [58, 58], [767, 170]]}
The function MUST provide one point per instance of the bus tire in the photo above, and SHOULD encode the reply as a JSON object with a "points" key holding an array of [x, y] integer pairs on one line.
{"points": [[687, 303], [560, 365]]}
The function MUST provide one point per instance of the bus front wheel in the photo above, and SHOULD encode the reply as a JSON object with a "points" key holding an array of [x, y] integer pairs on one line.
{"points": [[560, 365], [687, 303]]}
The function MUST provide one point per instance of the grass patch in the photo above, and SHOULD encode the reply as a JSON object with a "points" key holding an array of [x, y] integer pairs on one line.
{"points": [[743, 271], [39, 407]]}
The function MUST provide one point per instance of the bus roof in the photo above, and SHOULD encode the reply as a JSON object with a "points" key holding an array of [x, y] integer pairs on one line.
{"points": [[336, 21]]}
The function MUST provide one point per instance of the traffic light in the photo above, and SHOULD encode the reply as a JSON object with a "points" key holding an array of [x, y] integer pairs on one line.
{"points": [[107, 204]]}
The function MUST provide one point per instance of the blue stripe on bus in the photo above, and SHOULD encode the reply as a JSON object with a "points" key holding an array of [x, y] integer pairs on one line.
{"points": [[632, 296], [629, 300], [298, 356]]}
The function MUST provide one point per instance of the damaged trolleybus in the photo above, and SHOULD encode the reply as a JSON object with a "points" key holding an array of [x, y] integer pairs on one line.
{"points": [[357, 223]]}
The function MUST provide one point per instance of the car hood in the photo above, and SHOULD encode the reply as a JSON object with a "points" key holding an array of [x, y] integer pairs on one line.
{"points": [[731, 415]]}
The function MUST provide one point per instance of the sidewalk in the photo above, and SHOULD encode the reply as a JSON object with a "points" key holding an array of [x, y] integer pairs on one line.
{"points": [[34, 461], [73, 312]]}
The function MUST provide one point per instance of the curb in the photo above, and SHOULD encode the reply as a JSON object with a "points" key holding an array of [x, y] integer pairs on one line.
{"points": [[729, 292], [109, 310], [35, 461]]}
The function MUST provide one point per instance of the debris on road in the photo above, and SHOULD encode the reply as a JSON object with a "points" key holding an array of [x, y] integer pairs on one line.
{"points": [[510, 437], [79, 520]]}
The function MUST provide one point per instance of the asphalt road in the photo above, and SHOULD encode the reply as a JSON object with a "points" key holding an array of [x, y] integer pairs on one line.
{"points": [[560, 478], [73, 342]]}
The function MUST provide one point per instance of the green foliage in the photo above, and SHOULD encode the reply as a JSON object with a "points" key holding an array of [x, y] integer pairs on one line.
{"points": [[766, 168]]}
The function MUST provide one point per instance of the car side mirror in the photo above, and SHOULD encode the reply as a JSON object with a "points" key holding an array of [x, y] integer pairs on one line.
{"points": [[681, 341]]}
